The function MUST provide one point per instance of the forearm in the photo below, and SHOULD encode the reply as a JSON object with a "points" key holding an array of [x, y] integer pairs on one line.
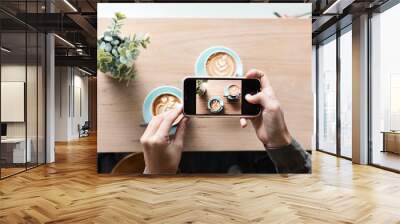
{"points": [[290, 159]]}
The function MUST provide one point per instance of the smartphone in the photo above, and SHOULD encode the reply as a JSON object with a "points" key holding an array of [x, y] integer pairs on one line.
{"points": [[215, 97]]}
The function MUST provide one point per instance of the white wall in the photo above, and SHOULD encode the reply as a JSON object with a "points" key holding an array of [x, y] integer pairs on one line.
{"points": [[62, 82], [12, 73], [70, 81], [81, 84], [13, 101], [33, 126]]}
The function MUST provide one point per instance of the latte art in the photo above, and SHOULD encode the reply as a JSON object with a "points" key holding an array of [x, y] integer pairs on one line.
{"points": [[221, 64], [234, 90], [164, 103]]}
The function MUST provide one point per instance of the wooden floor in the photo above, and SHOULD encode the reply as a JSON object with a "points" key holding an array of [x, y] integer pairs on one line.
{"points": [[387, 159], [5, 172], [70, 191]]}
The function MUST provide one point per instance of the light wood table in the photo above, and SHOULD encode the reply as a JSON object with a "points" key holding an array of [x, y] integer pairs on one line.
{"points": [[391, 141], [280, 47]]}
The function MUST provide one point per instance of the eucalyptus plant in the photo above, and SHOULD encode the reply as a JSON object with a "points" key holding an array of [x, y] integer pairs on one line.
{"points": [[201, 87], [116, 54]]}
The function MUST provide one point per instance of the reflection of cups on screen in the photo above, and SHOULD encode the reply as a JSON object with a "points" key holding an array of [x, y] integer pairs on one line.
{"points": [[222, 97]]}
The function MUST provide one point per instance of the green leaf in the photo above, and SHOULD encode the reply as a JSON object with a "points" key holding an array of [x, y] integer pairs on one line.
{"points": [[107, 47], [115, 42], [102, 45], [123, 60], [120, 16], [108, 38], [115, 52]]}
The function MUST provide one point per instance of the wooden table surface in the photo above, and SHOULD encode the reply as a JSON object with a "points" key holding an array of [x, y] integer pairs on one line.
{"points": [[280, 47]]}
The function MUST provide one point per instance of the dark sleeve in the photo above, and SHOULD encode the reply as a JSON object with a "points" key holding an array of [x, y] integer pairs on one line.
{"points": [[290, 159]]}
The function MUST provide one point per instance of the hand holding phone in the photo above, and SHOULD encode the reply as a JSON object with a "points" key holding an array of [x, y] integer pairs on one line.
{"points": [[215, 97], [270, 127]]}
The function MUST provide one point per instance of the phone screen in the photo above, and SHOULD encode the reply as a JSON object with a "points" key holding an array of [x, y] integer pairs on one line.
{"points": [[218, 96]]}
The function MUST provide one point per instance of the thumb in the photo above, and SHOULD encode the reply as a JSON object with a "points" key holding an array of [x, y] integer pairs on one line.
{"points": [[243, 122], [180, 132], [255, 99]]}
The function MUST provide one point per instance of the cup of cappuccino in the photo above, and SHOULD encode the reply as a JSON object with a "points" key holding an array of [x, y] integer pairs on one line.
{"points": [[215, 105], [164, 103], [232, 92], [221, 64], [219, 61], [159, 100]]}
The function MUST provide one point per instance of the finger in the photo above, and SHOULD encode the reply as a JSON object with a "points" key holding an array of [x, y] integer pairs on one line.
{"points": [[256, 122], [255, 99], [257, 74], [153, 126], [180, 132], [169, 119], [254, 74], [243, 122]]}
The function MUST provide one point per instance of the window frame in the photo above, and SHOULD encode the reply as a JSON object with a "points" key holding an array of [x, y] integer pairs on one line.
{"points": [[31, 30], [334, 37], [381, 9]]}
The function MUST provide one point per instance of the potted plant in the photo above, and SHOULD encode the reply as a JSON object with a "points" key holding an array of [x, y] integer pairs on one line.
{"points": [[201, 87], [116, 54]]}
